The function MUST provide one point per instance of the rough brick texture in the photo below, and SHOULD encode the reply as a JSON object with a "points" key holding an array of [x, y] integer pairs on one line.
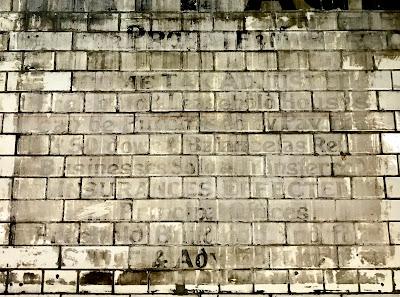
{"points": [[208, 152]]}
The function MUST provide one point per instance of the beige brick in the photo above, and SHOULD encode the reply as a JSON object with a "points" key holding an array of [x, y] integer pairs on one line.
{"points": [[71, 60], [233, 187], [33, 145], [101, 123], [364, 143], [35, 123], [166, 233], [100, 102], [131, 233], [230, 61], [330, 144], [269, 233], [132, 188], [10, 61], [98, 166], [357, 61], [96, 234], [35, 102], [261, 61], [66, 144], [97, 188], [103, 61], [200, 233], [60, 281], [329, 101], [99, 144], [303, 257], [29, 188], [389, 60], [362, 121], [360, 257], [67, 102], [132, 144], [96, 210], [301, 210], [324, 60], [234, 234], [231, 81], [231, 122], [341, 280], [306, 281], [37, 211], [274, 281], [392, 187], [90, 257], [304, 121], [334, 187], [372, 233], [264, 144], [199, 144], [165, 165], [39, 61], [103, 22], [63, 188], [365, 165], [231, 144], [39, 166], [33, 41], [301, 144], [166, 144], [376, 281], [358, 210], [170, 123], [389, 100], [298, 166], [5, 188], [293, 60], [203, 101], [134, 102], [19, 282], [368, 187], [199, 187], [167, 102], [229, 165], [165, 187]]}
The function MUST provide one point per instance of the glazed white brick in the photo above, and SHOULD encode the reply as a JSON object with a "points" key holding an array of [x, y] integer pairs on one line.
{"points": [[304, 121], [368, 187], [269, 233], [231, 122], [39, 81], [33, 41], [164, 166], [29, 257], [7, 146], [298, 166], [35, 123], [389, 100], [96, 210], [101, 123], [90, 257], [5, 188], [29, 188], [366, 165], [391, 143]]}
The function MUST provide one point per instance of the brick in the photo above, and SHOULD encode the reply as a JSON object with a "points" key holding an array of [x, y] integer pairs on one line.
{"points": [[132, 187], [274, 281], [5, 188], [372, 233], [35, 102], [165, 166], [167, 102], [46, 234], [358, 210], [264, 144], [198, 101], [293, 60], [376, 281], [29, 188], [134, 102], [305, 121], [199, 187], [359, 80], [360, 257], [366, 165], [96, 234], [200, 233], [71, 60], [299, 41], [132, 144], [330, 187], [389, 60], [101, 123], [96, 188], [66, 144], [306, 281], [303, 256], [96, 210], [126, 81], [232, 122], [301, 210], [165, 187], [359, 101], [67, 102], [305, 187], [295, 101], [28, 257], [40, 41], [227, 165], [324, 60], [37, 211], [39, 166], [266, 187], [341, 280], [94, 257], [99, 144], [57, 281], [233, 187], [103, 61], [226, 144], [98, 166], [390, 143], [10, 61], [7, 144], [167, 123], [269, 233], [329, 101], [39, 61], [35, 123], [389, 100], [357, 61], [261, 61], [368, 187], [392, 187], [199, 144], [131, 233], [298, 166], [362, 121], [297, 144], [364, 143], [247, 101], [63, 188], [39, 81]]}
